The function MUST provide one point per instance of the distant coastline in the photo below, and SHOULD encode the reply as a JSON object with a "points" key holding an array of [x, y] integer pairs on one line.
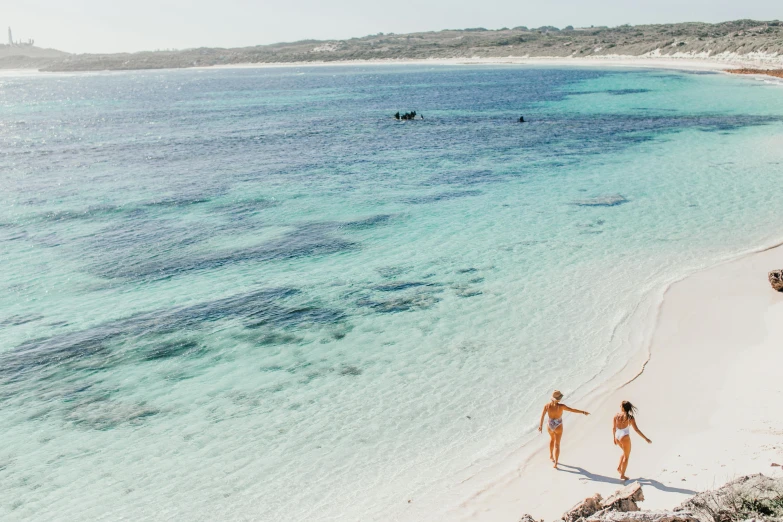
{"points": [[747, 44]]}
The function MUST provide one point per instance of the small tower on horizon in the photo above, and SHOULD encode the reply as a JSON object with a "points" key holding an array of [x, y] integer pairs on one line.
{"points": [[10, 37]]}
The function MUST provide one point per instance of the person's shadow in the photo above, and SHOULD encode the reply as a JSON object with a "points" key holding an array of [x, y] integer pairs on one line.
{"points": [[611, 480]]}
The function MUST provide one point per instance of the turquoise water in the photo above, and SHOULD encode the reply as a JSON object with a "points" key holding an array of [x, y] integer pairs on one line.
{"points": [[252, 295]]}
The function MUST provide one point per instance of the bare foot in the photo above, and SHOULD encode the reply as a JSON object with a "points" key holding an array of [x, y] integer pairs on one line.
{"points": [[555, 466], [551, 458], [623, 477]]}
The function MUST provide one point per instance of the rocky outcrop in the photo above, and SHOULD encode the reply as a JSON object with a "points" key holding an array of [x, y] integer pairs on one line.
{"points": [[776, 280], [751, 497], [643, 516], [754, 497], [584, 509], [625, 499], [408, 116]]}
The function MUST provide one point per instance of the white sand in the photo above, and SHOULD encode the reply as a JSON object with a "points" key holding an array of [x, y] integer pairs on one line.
{"points": [[685, 62], [710, 398], [653, 61], [597, 61]]}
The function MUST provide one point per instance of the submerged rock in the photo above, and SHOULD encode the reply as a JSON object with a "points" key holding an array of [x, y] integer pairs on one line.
{"points": [[610, 200], [776, 280]]}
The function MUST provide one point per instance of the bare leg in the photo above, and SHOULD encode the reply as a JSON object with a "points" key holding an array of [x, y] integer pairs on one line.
{"points": [[622, 459], [625, 444], [551, 445], [558, 436]]}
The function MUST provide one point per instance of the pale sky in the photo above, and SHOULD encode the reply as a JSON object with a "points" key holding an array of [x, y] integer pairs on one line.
{"points": [[135, 25]]}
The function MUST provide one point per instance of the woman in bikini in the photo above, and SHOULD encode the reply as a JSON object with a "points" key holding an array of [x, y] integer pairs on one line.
{"points": [[621, 434], [555, 410]]}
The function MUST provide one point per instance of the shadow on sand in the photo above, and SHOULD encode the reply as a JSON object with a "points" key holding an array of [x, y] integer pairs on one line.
{"points": [[611, 480]]}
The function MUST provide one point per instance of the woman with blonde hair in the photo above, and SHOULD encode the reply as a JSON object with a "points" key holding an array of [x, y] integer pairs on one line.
{"points": [[554, 410], [621, 434]]}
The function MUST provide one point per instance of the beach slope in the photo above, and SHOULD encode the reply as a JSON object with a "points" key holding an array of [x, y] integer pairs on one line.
{"points": [[709, 398]]}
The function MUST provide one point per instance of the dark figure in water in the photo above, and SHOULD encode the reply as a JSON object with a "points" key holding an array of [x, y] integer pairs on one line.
{"points": [[397, 115], [521, 119]]}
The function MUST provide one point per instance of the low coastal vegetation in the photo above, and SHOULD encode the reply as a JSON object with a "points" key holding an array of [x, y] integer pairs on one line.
{"points": [[740, 39]]}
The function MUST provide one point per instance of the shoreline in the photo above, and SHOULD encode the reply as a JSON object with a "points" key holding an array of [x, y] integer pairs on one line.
{"points": [[681, 63], [692, 451], [673, 62]]}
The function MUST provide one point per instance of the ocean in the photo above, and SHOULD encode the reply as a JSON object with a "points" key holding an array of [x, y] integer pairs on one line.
{"points": [[252, 294]]}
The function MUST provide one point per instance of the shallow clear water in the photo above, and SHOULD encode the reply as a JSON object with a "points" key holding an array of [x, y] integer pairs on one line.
{"points": [[252, 295]]}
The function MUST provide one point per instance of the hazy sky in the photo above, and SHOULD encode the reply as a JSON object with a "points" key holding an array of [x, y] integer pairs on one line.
{"points": [[133, 25]]}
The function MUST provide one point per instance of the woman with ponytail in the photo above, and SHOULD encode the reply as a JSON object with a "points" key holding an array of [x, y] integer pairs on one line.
{"points": [[621, 434]]}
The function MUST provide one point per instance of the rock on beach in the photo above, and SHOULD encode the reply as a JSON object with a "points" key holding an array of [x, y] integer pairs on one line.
{"points": [[776, 280]]}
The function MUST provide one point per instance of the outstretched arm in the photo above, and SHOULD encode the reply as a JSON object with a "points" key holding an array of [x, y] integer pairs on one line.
{"points": [[636, 428], [541, 422], [573, 410]]}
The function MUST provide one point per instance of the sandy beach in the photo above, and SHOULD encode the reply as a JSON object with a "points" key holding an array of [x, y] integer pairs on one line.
{"points": [[684, 63], [709, 397], [704, 64]]}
